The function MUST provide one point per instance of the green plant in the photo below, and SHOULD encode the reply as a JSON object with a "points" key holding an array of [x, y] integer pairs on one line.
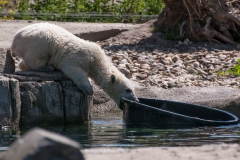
{"points": [[236, 69], [9, 13], [96, 10], [220, 73], [171, 33], [233, 71], [153, 29], [3, 2]]}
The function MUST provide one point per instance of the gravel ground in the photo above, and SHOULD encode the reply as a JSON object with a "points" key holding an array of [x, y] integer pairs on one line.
{"points": [[149, 60]]}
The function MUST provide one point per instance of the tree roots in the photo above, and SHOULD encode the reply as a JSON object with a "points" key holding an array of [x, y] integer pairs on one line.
{"points": [[214, 20]]}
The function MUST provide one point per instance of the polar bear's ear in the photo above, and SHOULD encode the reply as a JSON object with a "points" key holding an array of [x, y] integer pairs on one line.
{"points": [[113, 78]]}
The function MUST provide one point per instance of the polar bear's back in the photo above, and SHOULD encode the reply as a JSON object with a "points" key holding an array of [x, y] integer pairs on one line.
{"points": [[51, 42], [40, 36]]}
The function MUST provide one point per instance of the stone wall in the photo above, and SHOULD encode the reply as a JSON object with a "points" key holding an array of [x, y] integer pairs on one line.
{"points": [[33, 98]]}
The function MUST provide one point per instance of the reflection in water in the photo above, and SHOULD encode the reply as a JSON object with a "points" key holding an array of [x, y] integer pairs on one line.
{"points": [[107, 130]]}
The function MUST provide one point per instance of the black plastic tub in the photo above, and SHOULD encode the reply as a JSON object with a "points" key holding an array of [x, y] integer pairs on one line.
{"points": [[171, 114]]}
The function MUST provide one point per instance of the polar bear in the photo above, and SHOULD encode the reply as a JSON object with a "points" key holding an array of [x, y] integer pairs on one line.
{"points": [[42, 45]]}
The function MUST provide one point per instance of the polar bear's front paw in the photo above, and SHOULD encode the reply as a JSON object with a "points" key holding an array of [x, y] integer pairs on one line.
{"points": [[86, 89]]}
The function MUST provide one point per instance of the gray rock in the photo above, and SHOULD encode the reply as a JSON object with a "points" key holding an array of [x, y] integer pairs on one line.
{"points": [[7, 64], [5, 102], [196, 64], [10, 102], [200, 71], [43, 98], [175, 58], [77, 106], [171, 84], [168, 59], [191, 70], [42, 103], [141, 76], [165, 84], [39, 144], [15, 101], [234, 83], [180, 42], [102, 102], [222, 57], [24, 76], [186, 41], [192, 49], [124, 48], [126, 72]]}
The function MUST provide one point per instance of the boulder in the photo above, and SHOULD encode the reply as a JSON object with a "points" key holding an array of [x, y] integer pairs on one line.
{"points": [[15, 102], [37, 76], [5, 100], [44, 98], [102, 102], [39, 144], [7, 64], [42, 103], [77, 106]]}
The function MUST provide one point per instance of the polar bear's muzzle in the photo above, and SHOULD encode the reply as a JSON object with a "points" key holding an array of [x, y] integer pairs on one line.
{"points": [[128, 95]]}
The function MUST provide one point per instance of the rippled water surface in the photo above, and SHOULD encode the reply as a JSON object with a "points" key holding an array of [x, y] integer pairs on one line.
{"points": [[108, 130]]}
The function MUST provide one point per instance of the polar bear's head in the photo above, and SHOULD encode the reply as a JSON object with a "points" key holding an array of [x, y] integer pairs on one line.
{"points": [[120, 87]]}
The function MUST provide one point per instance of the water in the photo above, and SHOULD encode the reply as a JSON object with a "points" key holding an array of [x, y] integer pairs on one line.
{"points": [[107, 130]]}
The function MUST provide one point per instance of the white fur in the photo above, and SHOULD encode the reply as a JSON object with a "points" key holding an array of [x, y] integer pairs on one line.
{"points": [[43, 44]]}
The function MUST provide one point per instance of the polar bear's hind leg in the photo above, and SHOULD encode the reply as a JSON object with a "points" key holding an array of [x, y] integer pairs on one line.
{"points": [[37, 64], [22, 66]]}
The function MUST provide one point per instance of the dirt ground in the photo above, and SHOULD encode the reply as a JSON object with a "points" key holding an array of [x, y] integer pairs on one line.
{"points": [[138, 33], [8, 29], [144, 34]]}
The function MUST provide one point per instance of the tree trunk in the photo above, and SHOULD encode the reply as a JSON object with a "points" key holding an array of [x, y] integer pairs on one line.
{"points": [[200, 20]]}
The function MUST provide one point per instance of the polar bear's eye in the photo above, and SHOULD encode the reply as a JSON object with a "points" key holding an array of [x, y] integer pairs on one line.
{"points": [[113, 78]]}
